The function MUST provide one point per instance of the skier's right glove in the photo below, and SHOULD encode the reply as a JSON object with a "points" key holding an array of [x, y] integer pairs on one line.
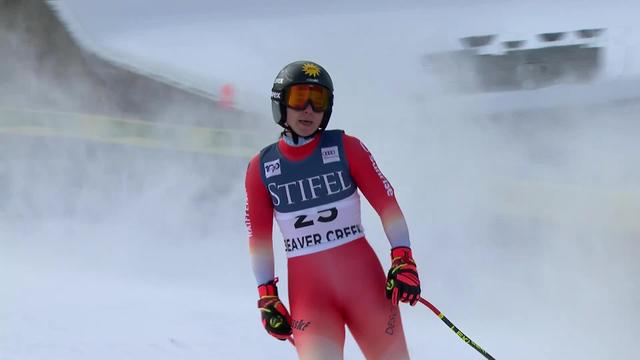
{"points": [[275, 317]]}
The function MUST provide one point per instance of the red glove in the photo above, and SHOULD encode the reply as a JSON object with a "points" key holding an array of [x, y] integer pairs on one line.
{"points": [[275, 317], [403, 283]]}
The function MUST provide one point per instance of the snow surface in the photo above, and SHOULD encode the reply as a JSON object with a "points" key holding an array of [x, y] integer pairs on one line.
{"points": [[525, 232]]}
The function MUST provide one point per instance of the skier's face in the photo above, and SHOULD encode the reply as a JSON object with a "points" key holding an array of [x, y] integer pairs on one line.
{"points": [[304, 122]]}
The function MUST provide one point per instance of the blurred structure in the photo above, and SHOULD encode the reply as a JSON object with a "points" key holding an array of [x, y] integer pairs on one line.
{"points": [[80, 134], [44, 67], [489, 63]]}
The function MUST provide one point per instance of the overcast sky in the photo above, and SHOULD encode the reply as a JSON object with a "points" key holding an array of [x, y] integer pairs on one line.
{"points": [[377, 43], [123, 15], [246, 42]]}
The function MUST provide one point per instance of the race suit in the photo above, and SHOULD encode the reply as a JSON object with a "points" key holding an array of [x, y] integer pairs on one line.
{"points": [[334, 277]]}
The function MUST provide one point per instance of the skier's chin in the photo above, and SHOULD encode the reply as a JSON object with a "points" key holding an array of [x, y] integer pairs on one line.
{"points": [[305, 131]]}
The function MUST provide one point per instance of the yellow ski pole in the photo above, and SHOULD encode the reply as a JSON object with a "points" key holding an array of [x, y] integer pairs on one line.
{"points": [[455, 329]]}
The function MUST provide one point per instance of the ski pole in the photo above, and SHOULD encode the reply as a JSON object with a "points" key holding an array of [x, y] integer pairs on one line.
{"points": [[455, 329]]}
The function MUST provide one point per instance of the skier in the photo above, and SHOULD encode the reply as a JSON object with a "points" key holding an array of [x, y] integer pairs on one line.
{"points": [[309, 181]]}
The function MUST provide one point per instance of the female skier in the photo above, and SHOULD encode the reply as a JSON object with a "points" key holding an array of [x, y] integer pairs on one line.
{"points": [[309, 181]]}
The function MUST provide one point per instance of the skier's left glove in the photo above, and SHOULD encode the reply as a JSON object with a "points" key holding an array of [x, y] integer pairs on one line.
{"points": [[403, 283], [275, 317]]}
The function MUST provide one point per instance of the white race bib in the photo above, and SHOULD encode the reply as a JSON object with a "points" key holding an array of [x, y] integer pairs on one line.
{"points": [[322, 227]]}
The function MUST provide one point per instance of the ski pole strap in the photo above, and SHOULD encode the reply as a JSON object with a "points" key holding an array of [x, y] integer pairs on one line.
{"points": [[456, 330]]}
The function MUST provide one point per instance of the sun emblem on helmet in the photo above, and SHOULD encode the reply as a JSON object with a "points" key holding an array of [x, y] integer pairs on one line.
{"points": [[311, 69]]}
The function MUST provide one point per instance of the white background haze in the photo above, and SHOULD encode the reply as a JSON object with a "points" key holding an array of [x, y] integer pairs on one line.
{"points": [[525, 230]]}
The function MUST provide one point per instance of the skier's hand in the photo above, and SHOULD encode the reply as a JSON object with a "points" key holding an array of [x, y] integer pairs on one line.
{"points": [[275, 317], [403, 283]]}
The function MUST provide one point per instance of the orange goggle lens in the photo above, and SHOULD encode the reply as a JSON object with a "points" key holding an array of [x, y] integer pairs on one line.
{"points": [[298, 96]]}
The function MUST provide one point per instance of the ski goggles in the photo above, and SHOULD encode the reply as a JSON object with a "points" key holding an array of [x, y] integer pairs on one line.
{"points": [[298, 96]]}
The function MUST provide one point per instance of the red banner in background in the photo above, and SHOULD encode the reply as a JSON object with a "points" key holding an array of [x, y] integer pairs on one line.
{"points": [[227, 96]]}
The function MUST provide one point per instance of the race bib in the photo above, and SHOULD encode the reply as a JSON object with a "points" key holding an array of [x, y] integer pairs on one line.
{"points": [[322, 227]]}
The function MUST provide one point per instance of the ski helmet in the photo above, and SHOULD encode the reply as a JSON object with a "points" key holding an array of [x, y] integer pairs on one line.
{"points": [[299, 72]]}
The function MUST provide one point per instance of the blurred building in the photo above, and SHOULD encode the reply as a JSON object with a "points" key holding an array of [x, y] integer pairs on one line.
{"points": [[44, 67], [493, 63]]}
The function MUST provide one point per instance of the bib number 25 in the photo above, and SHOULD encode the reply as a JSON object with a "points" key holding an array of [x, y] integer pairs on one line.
{"points": [[323, 216]]}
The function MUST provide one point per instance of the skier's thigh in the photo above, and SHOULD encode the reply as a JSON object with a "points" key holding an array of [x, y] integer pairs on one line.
{"points": [[319, 335], [373, 320]]}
